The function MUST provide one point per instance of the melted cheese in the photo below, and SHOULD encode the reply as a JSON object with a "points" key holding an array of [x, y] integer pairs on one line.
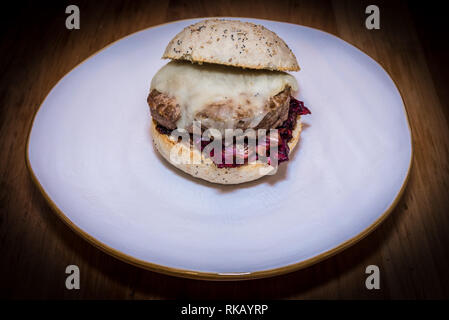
{"points": [[220, 96]]}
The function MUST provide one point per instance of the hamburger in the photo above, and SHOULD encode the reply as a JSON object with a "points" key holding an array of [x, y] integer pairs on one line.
{"points": [[227, 85]]}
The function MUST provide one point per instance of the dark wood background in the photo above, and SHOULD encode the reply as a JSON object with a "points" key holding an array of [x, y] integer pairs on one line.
{"points": [[410, 247]]}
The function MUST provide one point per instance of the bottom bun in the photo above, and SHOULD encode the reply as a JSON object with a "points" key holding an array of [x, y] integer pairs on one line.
{"points": [[205, 168]]}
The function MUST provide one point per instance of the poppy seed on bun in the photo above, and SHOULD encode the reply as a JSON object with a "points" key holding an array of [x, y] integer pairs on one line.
{"points": [[232, 43]]}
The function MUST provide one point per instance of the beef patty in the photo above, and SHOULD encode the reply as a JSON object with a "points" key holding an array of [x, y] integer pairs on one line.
{"points": [[166, 111]]}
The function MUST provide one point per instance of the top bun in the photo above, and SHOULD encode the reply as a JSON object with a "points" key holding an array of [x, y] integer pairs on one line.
{"points": [[233, 43]]}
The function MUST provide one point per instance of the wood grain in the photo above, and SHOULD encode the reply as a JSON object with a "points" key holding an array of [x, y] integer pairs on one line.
{"points": [[410, 247]]}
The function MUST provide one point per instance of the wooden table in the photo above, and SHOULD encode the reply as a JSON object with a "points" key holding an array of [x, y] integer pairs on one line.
{"points": [[410, 247]]}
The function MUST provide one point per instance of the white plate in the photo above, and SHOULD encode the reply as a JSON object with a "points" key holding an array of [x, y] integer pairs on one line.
{"points": [[91, 154]]}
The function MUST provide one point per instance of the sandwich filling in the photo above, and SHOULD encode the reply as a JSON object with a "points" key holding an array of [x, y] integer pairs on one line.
{"points": [[224, 97], [285, 134]]}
